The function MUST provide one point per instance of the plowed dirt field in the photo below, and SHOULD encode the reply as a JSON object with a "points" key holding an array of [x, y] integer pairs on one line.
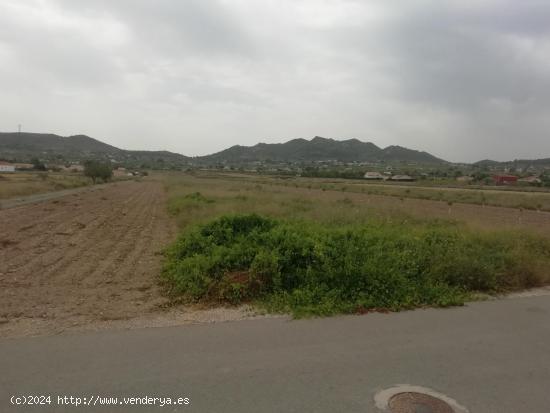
{"points": [[89, 256]]}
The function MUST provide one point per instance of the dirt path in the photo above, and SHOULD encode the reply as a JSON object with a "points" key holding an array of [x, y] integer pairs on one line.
{"points": [[85, 259], [46, 196]]}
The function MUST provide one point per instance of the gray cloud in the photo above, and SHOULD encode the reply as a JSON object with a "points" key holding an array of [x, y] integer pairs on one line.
{"points": [[464, 80], [174, 29]]}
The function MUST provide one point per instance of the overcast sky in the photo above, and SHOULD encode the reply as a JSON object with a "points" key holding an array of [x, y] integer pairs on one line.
{"points": [[462, 79]]}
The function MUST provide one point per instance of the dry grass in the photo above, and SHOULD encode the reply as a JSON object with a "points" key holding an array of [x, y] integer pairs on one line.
{"points": [[303, 199], [19, 184], [531, 198], [28, 183]]}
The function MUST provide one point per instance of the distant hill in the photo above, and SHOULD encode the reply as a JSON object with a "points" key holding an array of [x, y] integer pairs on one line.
{"points": [[516, 163], [39, 142], [52, 148], [57, 149], [319, 149]]}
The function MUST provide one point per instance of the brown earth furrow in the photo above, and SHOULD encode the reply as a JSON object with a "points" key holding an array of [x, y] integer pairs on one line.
{"points": [[91, 219], [126, 263], [125, 241], [85, 266], [150, 232], [63, 265], [96, 252], [48, 211]]}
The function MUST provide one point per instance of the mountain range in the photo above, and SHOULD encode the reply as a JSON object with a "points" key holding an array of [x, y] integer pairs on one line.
{"points": [[49, 147], [22, 147], [320, 149]]}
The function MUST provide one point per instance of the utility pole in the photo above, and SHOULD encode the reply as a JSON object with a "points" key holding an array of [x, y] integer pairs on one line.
{"points": [[19, 128]]}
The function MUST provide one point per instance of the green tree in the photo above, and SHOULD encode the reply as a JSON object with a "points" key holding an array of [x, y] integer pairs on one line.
{"points": [[481, 176], [38, 165], [96, 169]]}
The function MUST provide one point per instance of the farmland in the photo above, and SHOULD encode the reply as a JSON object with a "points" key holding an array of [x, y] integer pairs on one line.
{"points": [[339, 201], [520, 197], [81, 258], [95, 258], [331, 251]]}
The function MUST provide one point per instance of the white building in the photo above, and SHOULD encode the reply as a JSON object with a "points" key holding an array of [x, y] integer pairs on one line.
{"points": [[373, 175], [6, 167]]}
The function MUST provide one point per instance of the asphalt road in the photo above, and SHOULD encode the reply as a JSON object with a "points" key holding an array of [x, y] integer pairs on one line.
{"points": [[492, 357]]}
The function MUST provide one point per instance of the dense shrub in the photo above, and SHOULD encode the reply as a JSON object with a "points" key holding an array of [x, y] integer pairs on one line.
{"points": [[307, 268]]}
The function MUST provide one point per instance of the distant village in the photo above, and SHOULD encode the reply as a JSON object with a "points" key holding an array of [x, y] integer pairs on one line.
{"points": [[9, 167], [463, 174]]}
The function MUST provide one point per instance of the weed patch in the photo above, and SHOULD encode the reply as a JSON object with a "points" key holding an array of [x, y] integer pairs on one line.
{"points": [[311, 269], [189, 201]]}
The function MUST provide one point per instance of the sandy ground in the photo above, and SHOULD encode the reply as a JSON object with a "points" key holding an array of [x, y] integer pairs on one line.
{"points": [[89, 260]]}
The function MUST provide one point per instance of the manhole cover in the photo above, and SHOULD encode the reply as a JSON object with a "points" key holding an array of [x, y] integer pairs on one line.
{"points": [[405, 398], [412, 402]]}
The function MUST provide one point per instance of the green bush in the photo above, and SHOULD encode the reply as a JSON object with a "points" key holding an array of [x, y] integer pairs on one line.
{"points": [[307, 268]]}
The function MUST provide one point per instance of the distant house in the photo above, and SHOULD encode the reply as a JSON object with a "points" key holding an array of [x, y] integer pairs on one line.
{"points": [[23, 166], [505, 179], [530, 180], [465, 178], [75, 168], [6, 167], [402, 178], [373, 176], [120, 172], [55, 168]]}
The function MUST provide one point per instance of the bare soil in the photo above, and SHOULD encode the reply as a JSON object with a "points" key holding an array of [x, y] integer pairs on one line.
{"points": [[87, 260]]}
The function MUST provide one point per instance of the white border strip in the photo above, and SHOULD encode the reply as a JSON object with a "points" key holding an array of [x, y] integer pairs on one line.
{"points": [[383, 397]]}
